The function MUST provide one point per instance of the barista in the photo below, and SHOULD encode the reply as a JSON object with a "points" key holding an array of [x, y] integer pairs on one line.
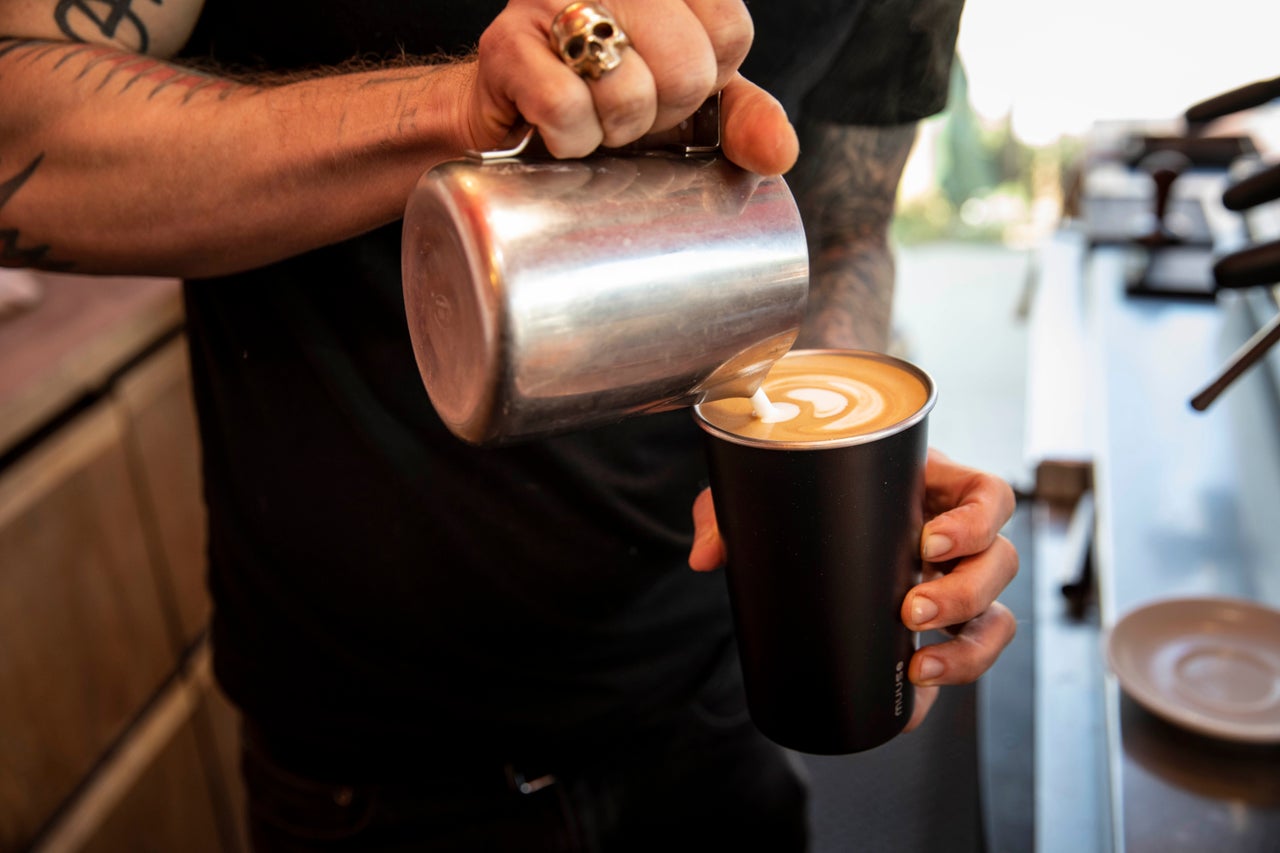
{"points": [[431, 644]]}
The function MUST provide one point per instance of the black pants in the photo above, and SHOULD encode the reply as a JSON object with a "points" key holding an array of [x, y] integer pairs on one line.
{"points": [[714, 784]]}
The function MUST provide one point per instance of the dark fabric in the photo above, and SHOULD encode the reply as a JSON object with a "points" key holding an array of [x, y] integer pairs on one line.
{"points": [[293, 35], [864, 62], [708, 782], [406, 587], [383, 591]]}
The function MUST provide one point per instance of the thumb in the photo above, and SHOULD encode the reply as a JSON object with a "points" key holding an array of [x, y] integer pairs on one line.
{"points": [[756, 132]]}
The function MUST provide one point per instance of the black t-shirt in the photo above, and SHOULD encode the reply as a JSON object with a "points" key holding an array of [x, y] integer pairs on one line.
{"points": [[380, 585], [862, 62]]}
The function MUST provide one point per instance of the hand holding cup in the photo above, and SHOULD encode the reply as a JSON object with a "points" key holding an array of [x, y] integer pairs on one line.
{"points": [[966, 564]]}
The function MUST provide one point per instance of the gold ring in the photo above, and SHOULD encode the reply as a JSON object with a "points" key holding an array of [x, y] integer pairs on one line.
{"points": [[588, 39]]}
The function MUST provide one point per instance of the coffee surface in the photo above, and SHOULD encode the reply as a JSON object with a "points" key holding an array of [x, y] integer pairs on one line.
{"points": [[824, 396]]}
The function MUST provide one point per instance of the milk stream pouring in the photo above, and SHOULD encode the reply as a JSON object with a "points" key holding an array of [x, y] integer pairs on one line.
{"points": [[547, 295]]}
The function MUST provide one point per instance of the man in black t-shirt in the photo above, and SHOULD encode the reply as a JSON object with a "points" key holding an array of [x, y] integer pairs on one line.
{"points": [[434, 644]]}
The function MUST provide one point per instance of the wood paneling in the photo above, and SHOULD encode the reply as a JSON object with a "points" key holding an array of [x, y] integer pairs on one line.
{"points": [[165, 455], [161, 790], [169, 809], [113, 735], [83, 644], [224, 757]]}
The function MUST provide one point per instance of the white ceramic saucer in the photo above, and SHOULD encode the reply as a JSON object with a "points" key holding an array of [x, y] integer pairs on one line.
{"points": [[1211, 665]]}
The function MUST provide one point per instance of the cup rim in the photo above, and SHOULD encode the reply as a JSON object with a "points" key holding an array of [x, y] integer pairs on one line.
{"points": [[903, 425]]}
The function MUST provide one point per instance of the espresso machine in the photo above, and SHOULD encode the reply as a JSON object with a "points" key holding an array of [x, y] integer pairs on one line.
{"points": [[1256, 263], [1198, 207]]}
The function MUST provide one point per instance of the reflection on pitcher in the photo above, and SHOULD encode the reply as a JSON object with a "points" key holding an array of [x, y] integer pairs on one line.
{"points": [[546, 295]]}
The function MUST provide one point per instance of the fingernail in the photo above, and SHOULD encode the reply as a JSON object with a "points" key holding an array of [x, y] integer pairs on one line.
{"points": [[935, 545], [922, 610], [930, 668]]}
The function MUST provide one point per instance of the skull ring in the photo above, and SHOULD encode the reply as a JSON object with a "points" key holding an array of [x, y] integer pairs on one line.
{"points": [[588, 39]]}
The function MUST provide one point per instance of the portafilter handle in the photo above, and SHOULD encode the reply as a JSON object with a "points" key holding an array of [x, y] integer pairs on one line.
{"points": [[1233, 101], [1258, 188], [1248, 267]]}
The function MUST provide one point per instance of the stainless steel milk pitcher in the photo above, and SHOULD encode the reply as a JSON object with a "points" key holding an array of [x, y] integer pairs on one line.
{"points": [[549, 295]]}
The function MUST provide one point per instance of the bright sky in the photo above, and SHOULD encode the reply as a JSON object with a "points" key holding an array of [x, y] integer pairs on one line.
{"points": [[1061, 66]]}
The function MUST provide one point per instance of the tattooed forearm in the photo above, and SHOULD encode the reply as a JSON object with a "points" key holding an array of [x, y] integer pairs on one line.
{"points": [[83, 20], [105, 66], [845, 184], [12, 254]]}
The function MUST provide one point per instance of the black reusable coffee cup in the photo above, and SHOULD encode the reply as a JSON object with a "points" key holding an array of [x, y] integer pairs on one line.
{"points": [[823, 543]]}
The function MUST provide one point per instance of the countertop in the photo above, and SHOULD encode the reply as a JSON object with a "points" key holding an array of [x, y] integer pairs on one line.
{"points": [[69, 336]]}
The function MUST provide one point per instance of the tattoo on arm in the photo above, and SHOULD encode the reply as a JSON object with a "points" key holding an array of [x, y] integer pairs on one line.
{"points": [[116, 21], [12, 254], [846, 184], [102, 66], [122, 67]]}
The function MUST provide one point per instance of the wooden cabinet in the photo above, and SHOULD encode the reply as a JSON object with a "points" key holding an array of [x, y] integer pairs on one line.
{"points": [[166, 786], [160, 443], [151, 819], [113, 736], [82, 638]]}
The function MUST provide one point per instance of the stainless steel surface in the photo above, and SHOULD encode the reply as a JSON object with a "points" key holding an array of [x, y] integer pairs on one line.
{"points": [[1187, 506], [544, 296], [1072, 797]]}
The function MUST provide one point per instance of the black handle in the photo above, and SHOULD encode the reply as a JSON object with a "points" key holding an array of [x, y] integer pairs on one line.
{"points": [[1249, 267], [1254, 190], [1243, 98], [1244, 358]]}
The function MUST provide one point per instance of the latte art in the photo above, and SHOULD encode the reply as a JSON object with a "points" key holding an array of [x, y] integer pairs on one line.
{"points": [[830, 403], [768, 411], [822, 395]]}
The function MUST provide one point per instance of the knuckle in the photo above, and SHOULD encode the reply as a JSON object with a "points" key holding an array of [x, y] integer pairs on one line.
{"points": [[687, 85], [974, 661], [731, 38], [1009, 552], [965, 603], [572, 147], [558, 110], [496, 40], [976, 645], [1008, 621], [628, 120]]}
